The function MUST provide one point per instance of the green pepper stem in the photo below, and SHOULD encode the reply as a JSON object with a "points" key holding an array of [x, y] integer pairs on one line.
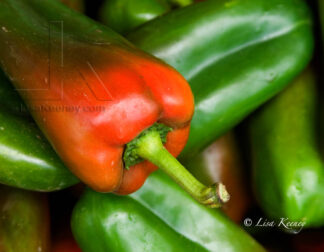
{"points": [[150, 147]]}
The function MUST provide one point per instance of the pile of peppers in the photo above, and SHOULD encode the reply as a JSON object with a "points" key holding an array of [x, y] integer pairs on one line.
{"points": [[161, 125]]}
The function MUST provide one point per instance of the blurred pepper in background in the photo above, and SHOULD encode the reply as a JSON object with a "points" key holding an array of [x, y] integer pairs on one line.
{"points": [[288, 170], [24, 221]]}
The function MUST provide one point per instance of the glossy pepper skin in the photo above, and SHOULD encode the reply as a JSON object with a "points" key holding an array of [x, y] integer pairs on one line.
{"points": [[124, 15], [27, 160], [288, 171], [155, 218], [100, 69], [221, 161], [24, 221], [234, 54]]}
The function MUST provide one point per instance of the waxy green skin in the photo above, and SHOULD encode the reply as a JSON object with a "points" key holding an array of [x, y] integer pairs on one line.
{"points": [[155, 218], [24, 221], [288, 171], [27, 160], [235, 54], [124, 15]]}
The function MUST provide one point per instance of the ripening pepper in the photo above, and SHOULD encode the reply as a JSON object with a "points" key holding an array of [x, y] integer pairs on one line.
{"points": [[288, 171], [24, 221], [92, 93], [235, 55], [158, 217]]}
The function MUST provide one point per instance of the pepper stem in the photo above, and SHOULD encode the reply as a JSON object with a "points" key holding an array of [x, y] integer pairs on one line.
{"points": [[149, 146]]}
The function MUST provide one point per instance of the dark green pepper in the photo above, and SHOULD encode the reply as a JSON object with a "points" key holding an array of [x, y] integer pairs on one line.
{"points": [[288, 170], [235, 54], [24, 221], [10, 99], [26, 158], [158, 217]]}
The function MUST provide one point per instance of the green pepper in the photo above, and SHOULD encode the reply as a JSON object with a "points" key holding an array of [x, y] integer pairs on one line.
{"points": [[27, 160], [158, 217], [235, 54], [288, 171], [124, 15], [24, 221]]}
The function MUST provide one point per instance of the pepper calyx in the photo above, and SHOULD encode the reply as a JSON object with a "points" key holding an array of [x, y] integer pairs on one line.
{"points": [[131, 156]]}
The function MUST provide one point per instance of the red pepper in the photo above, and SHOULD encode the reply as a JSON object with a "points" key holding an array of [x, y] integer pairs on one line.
{"points": [[116, 93]]}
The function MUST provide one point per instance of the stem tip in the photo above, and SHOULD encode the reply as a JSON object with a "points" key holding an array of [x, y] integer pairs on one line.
{"points": [[215, 196]]}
